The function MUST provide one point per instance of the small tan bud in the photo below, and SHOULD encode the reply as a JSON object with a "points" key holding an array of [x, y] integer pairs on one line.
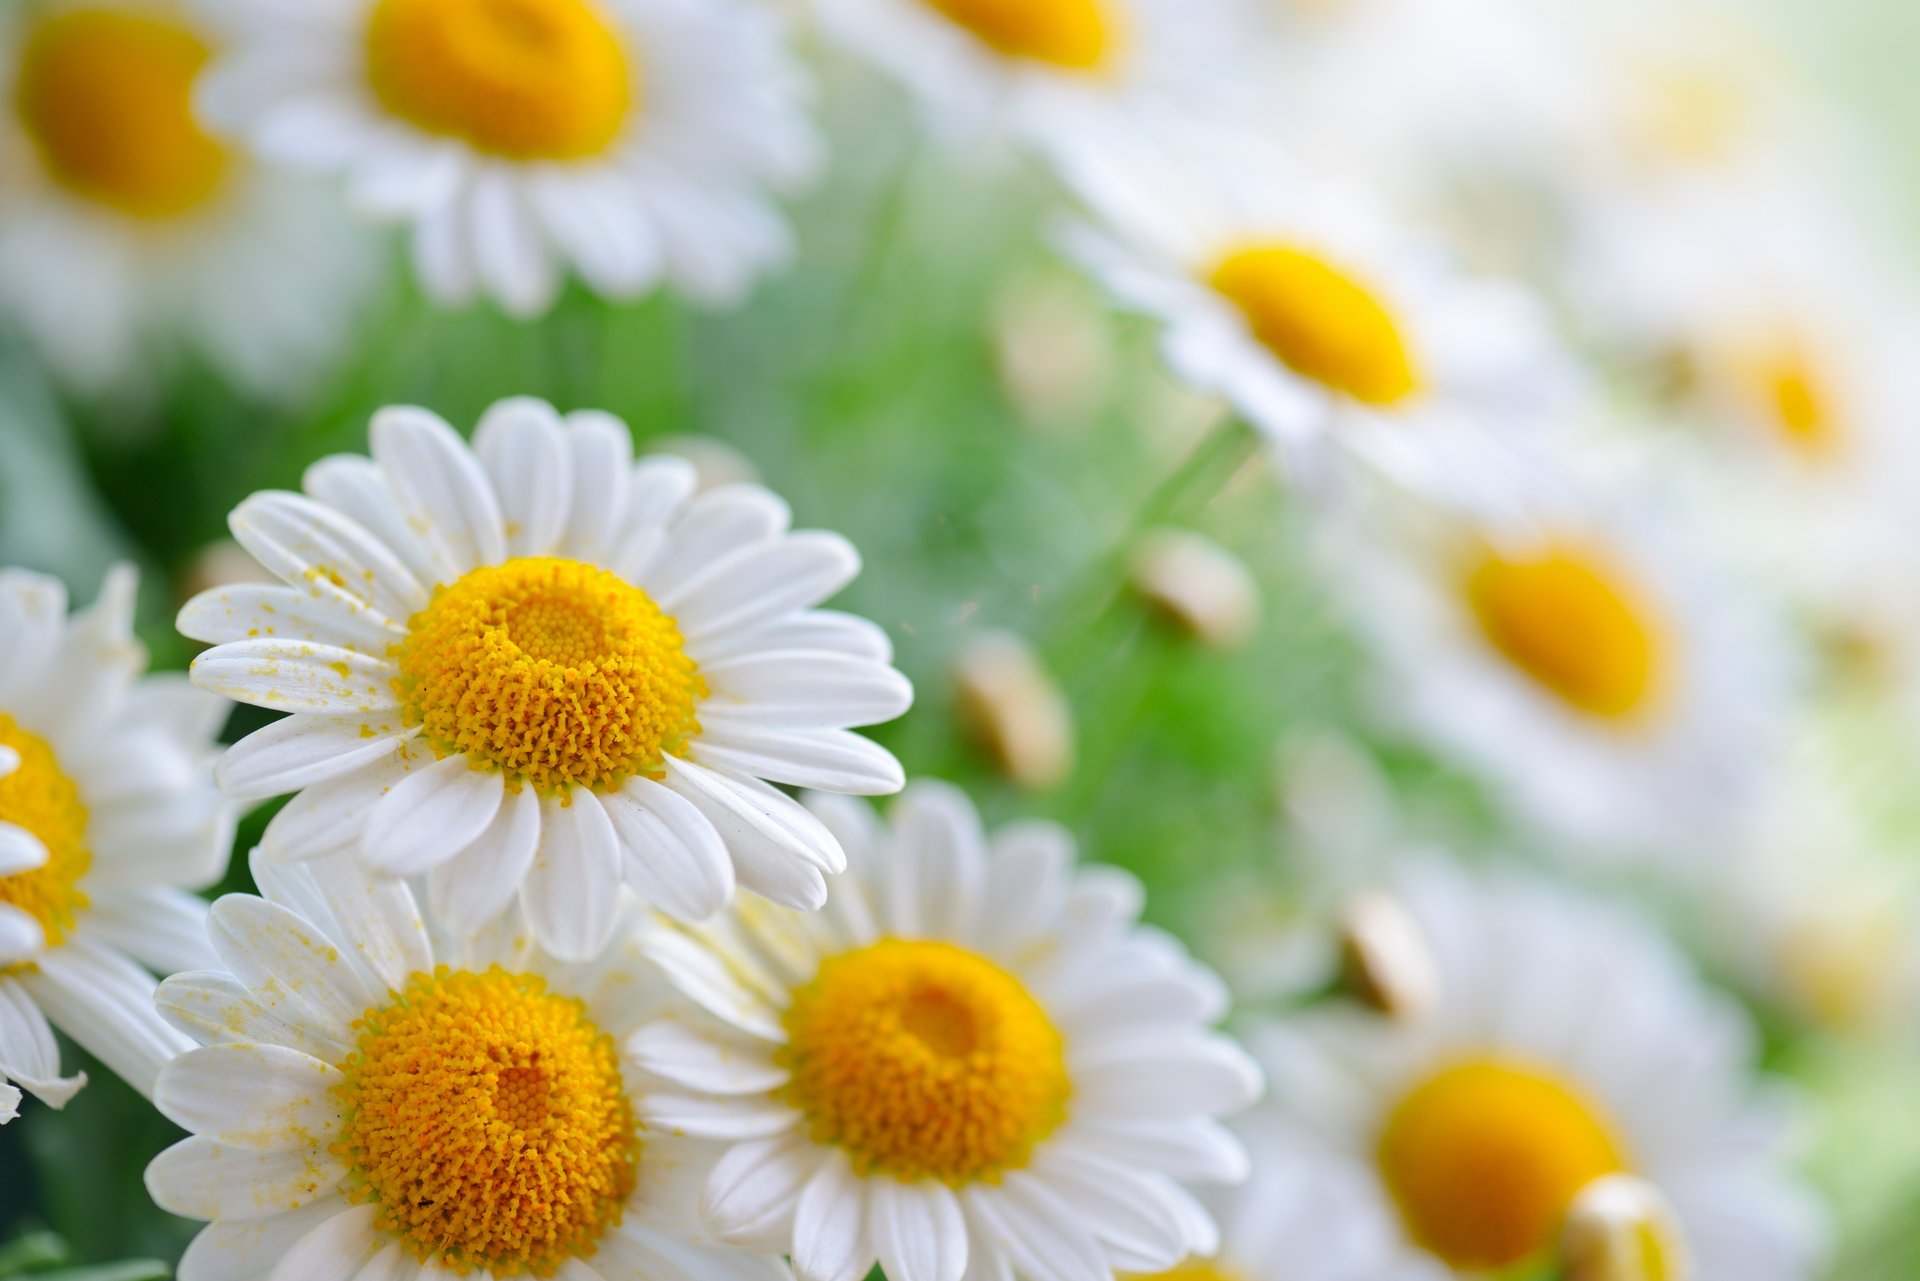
{"points": [[1199, 585], [1014, 711], [1385, 961], [1621, 1228]]}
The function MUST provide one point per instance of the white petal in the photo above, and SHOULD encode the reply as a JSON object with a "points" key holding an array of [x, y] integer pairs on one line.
{"points": [[705, 1057], [293, 971], [393, 1263], [28, 1054], [269, 611], [637, 1251], [715, 525], [250, 1096], [824, 760], [298, 676], [830, 1239], [707, 979], [305, 749], [215, 1008], [523, 448], [335, 560], [20, 850], [760, 584], [329, 816], [201, 1178], [378, 917], [354, 485], [751, 1193], [439, 488], [1194, 1151], [918, 1231], [514, 264], [602, 450], [33, 610], [105, 1003], [334, 1251], [817, 629], [671, 854], [163, 928], [1044, 1238], [1165, 1074], [937, 863], [429, 816], [756, 821], [572, 893], [705, 1117], [245, 1250], [476, 885], [808, 689]]}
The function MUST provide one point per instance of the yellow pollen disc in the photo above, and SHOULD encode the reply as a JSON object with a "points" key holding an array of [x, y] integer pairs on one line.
{"points": [[106, 98], [923, 1060], [44, 801], [1483, 1159], [488, 1122], [1078, 35], [1568, 621], [555, 672], [1191, 1270], [1319, 322], [525, 79]]}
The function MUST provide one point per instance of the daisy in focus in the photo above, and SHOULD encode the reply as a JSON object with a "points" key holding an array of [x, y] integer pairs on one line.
{"points": [[369, 1095], [107, 809], [532, 666], [1620, 695], [633, 142], [975, 1062], [1332, 332], [129, 235], [1569, 1044]]}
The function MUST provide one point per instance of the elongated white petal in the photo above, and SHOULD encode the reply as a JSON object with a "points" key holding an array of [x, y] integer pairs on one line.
{"points": [[332, 1251], [760, 584], [304, 749], [250, 1096], [821, 760], [20, 850], [572, 894], [937, 864], [298, 676], [704, 1117], [475, 886], [704, 1057], [202, 1178], [379, 916], [802, 689], [105, 1003], [1165, 1074], [246, 1250], [330, 815], [830, 1237], [523, 448], [602, 458], [429, 816], [269, 611], [163, 928], [670, 853], [292, 969], [755, 820], [439, 489], [215, 1008], [751, 1192], [918, 1231], [335, 560], [716, 524]]}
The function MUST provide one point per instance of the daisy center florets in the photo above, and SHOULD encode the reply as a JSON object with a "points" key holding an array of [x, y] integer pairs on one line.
{"points": [[1571, 626], [525, 79], [1318, 321], [1075, 34], [923, 1060], [1483, 1159], [106, 98], [487, 1119], [1192, 1270], [36, 796], [557, 673]]}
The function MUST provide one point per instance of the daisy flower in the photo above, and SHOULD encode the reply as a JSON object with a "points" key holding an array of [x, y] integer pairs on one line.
{"points": [[975, 1062], [1620, 695], [628, 140], [127, 233], [370, 1099], [107, 807], [1569, 1043], [535, 666], [1327, 328]]}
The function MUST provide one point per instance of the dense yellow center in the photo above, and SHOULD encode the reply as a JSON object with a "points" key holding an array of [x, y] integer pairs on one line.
{"points": [[1567, 620], [1191, 1270], [526, 79], [1076, 34], [923, 1060], [1484, 1157], [1319, 321], [555, 672], [488, 1123], [106, 98], [38, 797]]}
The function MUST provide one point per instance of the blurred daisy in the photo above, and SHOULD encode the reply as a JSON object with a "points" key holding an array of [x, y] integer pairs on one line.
{"points": [[1620, 696], [534, 666], [127, 233], [1327, 329], [975, 1062], [629, 140], [106, 806], [1569, 1044], [373, 1100]]}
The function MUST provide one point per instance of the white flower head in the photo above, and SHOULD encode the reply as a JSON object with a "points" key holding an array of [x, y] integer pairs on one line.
{"points": [[632, 141], [107, 809], [975, 1062], [1570, 1043], [129, 236], [532, 666], [373, 1098]]}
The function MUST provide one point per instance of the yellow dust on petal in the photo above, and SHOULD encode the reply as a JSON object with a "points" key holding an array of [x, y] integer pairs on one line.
{"points": [[1483, 1158], [106, 98], [555, 672], [488, 1122], [1571, 622], [1075, 34], [1319, 321], [37, 796], [524, 79], [923, 1060]]}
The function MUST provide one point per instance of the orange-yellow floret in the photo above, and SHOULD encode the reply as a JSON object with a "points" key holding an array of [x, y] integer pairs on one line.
{"points": [[38, 797]]}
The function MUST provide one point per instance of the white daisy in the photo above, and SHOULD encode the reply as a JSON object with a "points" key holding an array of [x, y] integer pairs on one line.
{"points": [[629, 140], [372, 1100], [534, 666], [974, 1063], [1326, 327], [1588, 662], [1569, 1043], [107, 806], [127, 234]]}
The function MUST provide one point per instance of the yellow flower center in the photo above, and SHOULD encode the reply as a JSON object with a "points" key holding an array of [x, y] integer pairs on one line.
{"points": [[1078, 35], [488, 1122], [525, 79], [106, 99], [554, 672], [1191, 1270], [1483, 1159], [1570, 623], [1792, 390], [1319, 322], [923, 1060], [44, 801]]}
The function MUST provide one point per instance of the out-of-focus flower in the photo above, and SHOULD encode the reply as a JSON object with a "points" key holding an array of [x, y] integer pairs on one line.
{"points": [[1054, 345], [372, 1093], [1199, 585], [975, 1062], [632, 141], [107, 805], [1013, 709], [534, 667], [129, 236], [1569, 1043], [1621, 1229]]}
